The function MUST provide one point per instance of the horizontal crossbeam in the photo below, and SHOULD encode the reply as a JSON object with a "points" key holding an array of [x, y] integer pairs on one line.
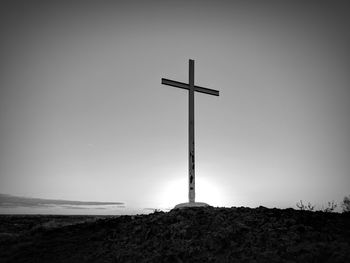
{"points": [[181, 85]]}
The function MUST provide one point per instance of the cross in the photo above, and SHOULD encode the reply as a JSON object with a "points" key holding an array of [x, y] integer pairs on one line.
{"points": [[191, 89]]}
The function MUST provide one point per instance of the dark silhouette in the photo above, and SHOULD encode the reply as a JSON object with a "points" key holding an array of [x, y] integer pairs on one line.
{"points": [[198, 234], [191, 88]]}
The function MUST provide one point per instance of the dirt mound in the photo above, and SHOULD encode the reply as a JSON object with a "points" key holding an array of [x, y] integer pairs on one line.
{"points": [[191, 235]]}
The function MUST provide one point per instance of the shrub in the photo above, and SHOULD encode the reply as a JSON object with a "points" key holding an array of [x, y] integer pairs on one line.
{"points": [[308, 207], [330, 208], [346, 204]]}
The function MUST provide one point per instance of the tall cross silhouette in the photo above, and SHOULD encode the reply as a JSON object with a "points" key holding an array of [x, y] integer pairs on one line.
{"points": [[191, 88]]}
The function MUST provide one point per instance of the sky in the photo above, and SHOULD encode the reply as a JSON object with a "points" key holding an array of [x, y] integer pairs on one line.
{"points": [[84, 116]]}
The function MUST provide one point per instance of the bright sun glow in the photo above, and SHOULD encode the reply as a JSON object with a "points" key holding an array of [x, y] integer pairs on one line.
{"points": [[176, 191]]}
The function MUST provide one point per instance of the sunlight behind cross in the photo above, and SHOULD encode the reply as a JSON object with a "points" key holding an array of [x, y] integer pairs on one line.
{"points": [[174, 192]]}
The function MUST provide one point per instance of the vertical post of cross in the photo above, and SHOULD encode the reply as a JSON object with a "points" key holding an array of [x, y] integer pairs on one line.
{"points": [[191, 89], [191, 174]]}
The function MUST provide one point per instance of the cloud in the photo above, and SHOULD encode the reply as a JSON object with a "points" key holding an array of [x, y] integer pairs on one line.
{"points": [[9, 201]]}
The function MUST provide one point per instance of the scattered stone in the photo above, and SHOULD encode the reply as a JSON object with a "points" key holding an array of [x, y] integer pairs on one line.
{"points": [[198, 234]]}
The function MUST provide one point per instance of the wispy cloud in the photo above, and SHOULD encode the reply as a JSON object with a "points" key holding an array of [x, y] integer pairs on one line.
{"points": [[9, 201]]}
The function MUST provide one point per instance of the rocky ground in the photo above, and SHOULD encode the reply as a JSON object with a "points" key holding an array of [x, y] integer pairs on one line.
{"points": [[188, 235]]}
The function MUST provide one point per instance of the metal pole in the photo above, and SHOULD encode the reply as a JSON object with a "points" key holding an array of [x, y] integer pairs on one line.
{"points": [[191, 174]]}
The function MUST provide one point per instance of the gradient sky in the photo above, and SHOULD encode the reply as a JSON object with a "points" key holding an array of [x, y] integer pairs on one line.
{"points": [[83, 115]]}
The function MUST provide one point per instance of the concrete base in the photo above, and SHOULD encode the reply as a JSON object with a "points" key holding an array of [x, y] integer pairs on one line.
{"points": [[190, 204]]}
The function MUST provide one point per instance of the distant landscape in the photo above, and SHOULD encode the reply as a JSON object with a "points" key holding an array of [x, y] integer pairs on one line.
{"points": [[10, 204]]}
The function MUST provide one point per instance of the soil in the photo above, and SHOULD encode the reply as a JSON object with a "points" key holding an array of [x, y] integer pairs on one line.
{"points": [[202, 234]]}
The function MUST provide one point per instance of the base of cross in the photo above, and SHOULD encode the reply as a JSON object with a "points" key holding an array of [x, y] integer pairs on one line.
{"points": [[190, 204]]}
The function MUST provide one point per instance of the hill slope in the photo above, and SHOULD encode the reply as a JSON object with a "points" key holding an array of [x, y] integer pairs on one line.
{"points": [[191, 235]]}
